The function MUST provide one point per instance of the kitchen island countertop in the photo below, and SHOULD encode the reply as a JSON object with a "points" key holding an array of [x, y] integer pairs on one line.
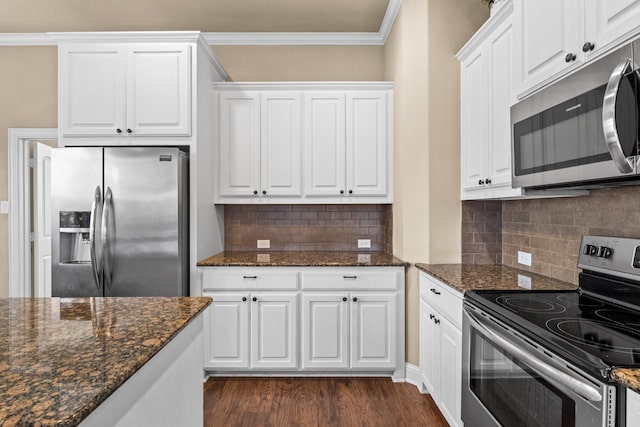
{"points": [[61, 358], [302, 259]]}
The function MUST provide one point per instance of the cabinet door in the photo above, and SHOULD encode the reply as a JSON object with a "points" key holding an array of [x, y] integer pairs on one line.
{"points": [[429, 350], [366, 133], [474, 121], [281, 144], [324, 143], [227, 331], [273, 331], [159, 90], [450, 371], [92, 90], [609, 22], [325, 331], [500, 48], [239, 144], [549, 31], [373, 330]]}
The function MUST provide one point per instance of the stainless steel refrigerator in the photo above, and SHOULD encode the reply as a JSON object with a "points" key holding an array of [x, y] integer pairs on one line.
{"points": [[119, 221]]}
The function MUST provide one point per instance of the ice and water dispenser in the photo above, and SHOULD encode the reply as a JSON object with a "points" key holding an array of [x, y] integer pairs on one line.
{"points": [[74, 237]]}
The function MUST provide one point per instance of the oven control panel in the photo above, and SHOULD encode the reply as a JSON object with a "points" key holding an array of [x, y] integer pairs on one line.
{"points": [[612, 255]]}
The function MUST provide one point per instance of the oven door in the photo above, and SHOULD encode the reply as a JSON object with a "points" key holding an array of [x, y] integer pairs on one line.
{"points": [[508, 382]]}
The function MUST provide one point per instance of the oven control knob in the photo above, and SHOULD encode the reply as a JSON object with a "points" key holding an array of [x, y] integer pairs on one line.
{"points": [[593, 250], [605, 252]]}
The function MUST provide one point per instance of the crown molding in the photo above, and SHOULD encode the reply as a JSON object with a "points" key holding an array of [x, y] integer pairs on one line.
{"points": [[228, 38]]}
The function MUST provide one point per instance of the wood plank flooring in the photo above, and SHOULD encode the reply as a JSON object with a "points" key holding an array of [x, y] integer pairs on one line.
{"points": [[316, 402]]}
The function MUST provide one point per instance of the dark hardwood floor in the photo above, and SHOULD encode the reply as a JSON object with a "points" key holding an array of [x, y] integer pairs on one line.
{"points": [[316, 402]]}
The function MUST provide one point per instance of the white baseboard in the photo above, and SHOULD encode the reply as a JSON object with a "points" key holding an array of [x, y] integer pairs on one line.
{"points": [[414, 377]]}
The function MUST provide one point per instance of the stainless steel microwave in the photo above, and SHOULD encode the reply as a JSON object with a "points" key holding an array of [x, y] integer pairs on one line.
{"points": [[583, 130]]}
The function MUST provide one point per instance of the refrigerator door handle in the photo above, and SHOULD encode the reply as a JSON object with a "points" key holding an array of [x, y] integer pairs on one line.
{"points": [[96, 250], [108, 234]]}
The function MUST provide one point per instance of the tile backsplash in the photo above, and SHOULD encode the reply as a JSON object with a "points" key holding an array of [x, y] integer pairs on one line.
{"points": [[308, 227], [482, 232], [551, 229]]}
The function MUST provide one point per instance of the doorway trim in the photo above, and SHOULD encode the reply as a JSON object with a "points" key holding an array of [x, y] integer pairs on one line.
{"points": [[19, 207]]}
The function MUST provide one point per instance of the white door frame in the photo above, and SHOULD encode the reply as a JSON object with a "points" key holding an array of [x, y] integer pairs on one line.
{"points": [[19, 211]]}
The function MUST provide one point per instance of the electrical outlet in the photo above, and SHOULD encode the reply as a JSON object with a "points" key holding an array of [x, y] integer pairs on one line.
{"points": [[264, 244], [364, 243], [524, 258], [364, 258], [4, 207]]}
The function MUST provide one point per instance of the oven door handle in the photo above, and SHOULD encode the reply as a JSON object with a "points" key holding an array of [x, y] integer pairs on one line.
{"points": [[622, 162], [585, 390]]}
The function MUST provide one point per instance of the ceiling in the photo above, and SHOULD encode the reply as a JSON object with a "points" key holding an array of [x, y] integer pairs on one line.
{"points": [[28, 16]]}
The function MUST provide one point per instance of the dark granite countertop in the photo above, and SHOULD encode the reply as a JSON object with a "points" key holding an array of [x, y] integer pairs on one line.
{"points": [[61, 358], [468, 277], [628, 377], [302, 259]]}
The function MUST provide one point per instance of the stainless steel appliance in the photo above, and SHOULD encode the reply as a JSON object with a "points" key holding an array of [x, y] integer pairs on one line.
{"points": [[583, 130], [544, 358], [119, 221]]}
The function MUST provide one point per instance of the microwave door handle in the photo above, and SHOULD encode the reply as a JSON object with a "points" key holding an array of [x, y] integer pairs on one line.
{"points": [[624, 164], [585, 390], [96, 216]]}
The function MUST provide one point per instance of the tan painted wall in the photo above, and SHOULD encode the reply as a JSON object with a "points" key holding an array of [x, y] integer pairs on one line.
{"points": [[419, 57], [28, 98], [301, 63]]}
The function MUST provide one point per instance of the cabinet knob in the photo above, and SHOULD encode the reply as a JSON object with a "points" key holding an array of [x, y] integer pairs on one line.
{"points": [[341, 191], [588, 47], [254, 299], [118, 130], [570, 57], [129, 131], [244, 299], [480, 182], [264, 192], [488, 181], [255, 191], [344, 298], [350, 191], [355, 299]]}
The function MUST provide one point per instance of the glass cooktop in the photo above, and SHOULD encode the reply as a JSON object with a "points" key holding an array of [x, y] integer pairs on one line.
{"points": [[589, 332]]}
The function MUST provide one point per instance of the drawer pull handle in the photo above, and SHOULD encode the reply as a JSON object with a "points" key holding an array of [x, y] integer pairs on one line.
{"points": [[435, 292], [431, 316], [437, 321], [349, 277], [249, 277]]}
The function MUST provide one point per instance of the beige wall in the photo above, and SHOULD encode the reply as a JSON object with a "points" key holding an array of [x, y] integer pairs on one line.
{"points": [[28, 98], [301, 63], [419, 57]]}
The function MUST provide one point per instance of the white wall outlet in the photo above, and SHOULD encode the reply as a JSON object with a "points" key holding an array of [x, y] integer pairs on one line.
{"points": [[364, 257], [4, 207], [524, 281], [524, 258], [264, 244], [364, 243]]}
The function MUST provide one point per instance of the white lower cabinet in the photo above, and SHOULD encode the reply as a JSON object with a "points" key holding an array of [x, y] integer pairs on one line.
{"points": [[441, 346], [633, 407], [326, 319]]}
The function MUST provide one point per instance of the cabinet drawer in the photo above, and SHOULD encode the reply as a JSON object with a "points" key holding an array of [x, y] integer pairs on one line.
{"points": [[368, 278], [248, 278], [442, 297]]}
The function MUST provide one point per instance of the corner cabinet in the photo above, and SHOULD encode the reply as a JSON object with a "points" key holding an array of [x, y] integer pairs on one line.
{"points": [[339, 134], [125, 89], [486, 79], [310, 320], [556, 37], [441, 346]]}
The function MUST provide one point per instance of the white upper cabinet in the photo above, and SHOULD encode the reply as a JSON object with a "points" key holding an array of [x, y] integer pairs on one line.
{"points": [[119, 89], [324, 143], [555, 37], [316, 143], [487, 72], [239, 128], [548, 39]]}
